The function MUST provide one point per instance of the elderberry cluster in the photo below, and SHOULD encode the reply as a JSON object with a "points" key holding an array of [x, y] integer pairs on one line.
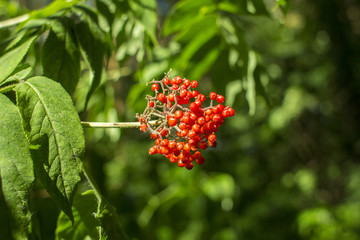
{"points": [[183, 126]]}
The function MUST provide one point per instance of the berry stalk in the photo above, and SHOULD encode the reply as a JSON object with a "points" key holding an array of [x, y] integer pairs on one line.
{"points": [[115, 124]]}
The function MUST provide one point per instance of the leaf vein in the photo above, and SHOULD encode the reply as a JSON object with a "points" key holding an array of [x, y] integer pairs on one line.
{"points": [[55, 136]]}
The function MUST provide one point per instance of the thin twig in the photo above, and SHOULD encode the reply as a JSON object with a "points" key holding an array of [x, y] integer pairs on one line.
{"points": [[114, 124]]}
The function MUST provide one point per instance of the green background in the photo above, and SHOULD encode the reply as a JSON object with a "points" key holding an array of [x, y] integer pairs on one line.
{"points": [[286, 165]]}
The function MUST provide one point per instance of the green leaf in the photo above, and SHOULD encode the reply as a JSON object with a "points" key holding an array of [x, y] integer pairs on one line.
{"points": [[61, 55], [52, 8], [239, 8], [261, 77], [54, 131], [260, 7], [16, 168], [20, 73], [5, 217], [234, 37], [86, 224], [185, 13], [284, 5], [12, 41], [202, 31], [94, 46], [11, 59], [250, 83], [110, 221], [146, 9], [107, 9]]}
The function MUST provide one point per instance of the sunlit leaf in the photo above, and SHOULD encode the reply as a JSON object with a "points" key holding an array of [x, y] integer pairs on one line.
{"points": [[11, 59], [19, 74], [52, 8], [53, 129], [250, 83]]}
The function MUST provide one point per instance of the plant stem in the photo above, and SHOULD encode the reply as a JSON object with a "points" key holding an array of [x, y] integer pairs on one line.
{"points": [[13, 21], [114, 124]]}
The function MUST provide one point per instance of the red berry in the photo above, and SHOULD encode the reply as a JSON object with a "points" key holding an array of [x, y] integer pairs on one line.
{"points": [[179, 146], [171, 97], [208, 112], [216, 118], [184, 132], [189, 166], [193, 107], [194, 84], [187, 82], [185, 119], [172, 144], [172, 121], [161, 97], [154, 135], [212, 144], [197, 155], [200, 160], [173, 159], [194, 93], [166, 81], [173, 81], [201, 120], [201, 97], [152, 150], [196, 127], [143, 127], [175, 87], [178, 80], [183, 92], [220, 107], [178, 114], [212, 138], [226, 113], [213, 95], [155, 87], [182, 126], [232, 112], [186, 100], [164, 142], [203, 145], [192, 116], [191, 134], [186, 147], [215, 110], [151, 104], [181, 164], [220, 99], [164, 150], [164, 132], [197, 102]]}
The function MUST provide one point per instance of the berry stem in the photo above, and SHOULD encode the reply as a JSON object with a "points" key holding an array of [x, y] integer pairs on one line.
{"points": [[114, 124]]}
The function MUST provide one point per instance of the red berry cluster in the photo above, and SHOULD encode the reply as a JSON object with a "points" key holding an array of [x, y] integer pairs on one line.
{"points": [[183, 126]]}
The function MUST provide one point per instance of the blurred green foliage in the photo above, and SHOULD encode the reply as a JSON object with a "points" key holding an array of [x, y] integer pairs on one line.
{"points": [[286, 165]]}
